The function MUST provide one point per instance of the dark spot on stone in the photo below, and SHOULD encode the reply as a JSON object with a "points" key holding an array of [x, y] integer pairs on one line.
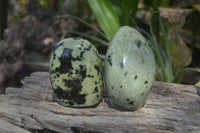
{"points": [[58, 45], [76, 38], [142, 60], [96, 82], [57, 75], [90, 76], [97, 95], [76, 71], [121, 86], [73, 96], [65, 61], [109, 60], [122, 64], [146, 82], [135, 77], [138, 43], [97, 68], [95, 90], [73, 84], [81, 55], [142, 94], [54, 57], [82, 71], [88, 49], [70, 73], [125, 73], [131, 102], [112, 87], [54, 54], [127, 99]]}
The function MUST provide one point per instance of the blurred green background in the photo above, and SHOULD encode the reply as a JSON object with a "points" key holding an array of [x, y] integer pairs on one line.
{"points": [[172, 28]]}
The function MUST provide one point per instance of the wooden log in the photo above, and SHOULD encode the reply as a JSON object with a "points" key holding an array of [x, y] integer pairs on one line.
{"points": [[169, 108]]}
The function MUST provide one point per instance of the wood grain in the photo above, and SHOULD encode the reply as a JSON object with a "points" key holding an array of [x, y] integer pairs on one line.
{"points": [[169, 108]]}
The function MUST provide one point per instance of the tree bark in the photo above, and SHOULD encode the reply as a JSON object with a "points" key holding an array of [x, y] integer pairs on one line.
{"points": [[169, 108]]}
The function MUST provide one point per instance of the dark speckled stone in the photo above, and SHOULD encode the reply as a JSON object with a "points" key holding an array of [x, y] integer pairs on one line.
{"points": [[76, 73]]}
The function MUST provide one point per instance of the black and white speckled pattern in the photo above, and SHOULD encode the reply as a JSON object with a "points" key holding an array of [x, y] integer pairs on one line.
{"points": [[76, 73], [130, 68]]}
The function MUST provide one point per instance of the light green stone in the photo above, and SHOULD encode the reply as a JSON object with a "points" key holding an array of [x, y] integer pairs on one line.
{"points": [[130, 68], [76, 73]]}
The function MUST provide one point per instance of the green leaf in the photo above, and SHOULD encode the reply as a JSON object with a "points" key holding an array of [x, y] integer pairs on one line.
{"points": [[90, 37], [197, 7], [197, 84], [179, 74], [162, 59], [44, 3], [128, 9], [106, 16]]}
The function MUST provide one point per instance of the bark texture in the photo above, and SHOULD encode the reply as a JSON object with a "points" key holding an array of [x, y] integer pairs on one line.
{"points": [[169, 108]]}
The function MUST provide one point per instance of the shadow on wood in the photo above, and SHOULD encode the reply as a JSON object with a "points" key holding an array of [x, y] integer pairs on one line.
{"points": [[169, 108]]}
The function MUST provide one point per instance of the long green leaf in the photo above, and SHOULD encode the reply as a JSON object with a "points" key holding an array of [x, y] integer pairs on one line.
{"points": [[129, 9], [126, 10], [179, 74], [106, 17], [163, 60], [90, 37]]}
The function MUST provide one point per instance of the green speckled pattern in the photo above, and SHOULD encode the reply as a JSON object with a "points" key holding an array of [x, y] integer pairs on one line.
{"points": [[76, 73], [130, 68]]}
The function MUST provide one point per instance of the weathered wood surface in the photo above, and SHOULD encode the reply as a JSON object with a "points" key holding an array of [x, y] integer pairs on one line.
{"points": [[170, 108]]}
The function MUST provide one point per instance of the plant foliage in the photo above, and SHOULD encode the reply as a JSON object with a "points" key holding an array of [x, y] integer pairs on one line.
{"points": [[171, 52]]}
